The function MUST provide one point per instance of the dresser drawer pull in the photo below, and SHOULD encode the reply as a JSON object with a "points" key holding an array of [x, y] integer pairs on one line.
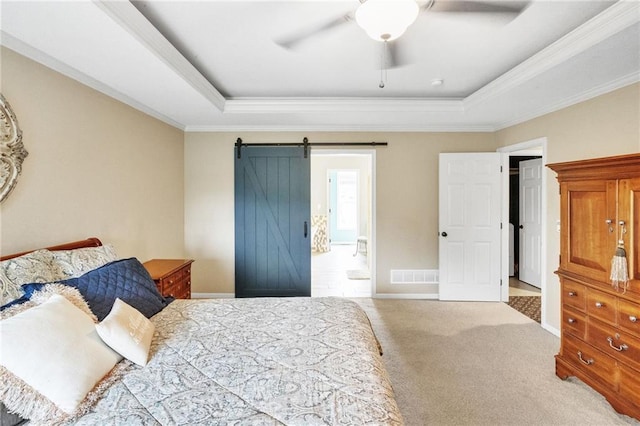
{"points": [[571, 321], [572, 294], [599, 305], [632, 318], [620, 348], [585, 362]]}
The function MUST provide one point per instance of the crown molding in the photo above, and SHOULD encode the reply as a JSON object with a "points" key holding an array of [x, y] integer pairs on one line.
{"points": [[333, 105], [611, 21], [39, 56], [610, 86], [378, 128], [131, 20]]}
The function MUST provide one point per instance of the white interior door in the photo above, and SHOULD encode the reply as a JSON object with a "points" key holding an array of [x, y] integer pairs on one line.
{"points": [[530, 221], [469, 219]]}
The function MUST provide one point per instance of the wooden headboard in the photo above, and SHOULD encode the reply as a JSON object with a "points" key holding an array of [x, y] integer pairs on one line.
{"points": [[89, 242]]}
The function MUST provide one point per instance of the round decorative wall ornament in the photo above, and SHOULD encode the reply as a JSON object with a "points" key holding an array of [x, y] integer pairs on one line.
{"points": [[12, 152]]}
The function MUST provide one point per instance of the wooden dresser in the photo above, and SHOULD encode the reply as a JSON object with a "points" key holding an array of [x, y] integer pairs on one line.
{"points": [[172, 276], [600, 330]]}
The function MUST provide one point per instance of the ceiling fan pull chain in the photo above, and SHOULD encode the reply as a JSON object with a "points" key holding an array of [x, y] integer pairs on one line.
{"points": [[383, 67]]}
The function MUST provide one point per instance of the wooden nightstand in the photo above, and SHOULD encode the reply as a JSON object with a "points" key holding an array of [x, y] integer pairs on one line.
{"points": [[172, 276]]}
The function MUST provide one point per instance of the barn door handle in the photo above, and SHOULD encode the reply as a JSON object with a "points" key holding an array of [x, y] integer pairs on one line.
{"points": [[306, 226]]}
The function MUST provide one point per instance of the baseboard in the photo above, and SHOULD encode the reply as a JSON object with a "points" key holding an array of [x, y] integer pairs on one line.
{"points": [[430, 296], [213, 295], [551, 330]]}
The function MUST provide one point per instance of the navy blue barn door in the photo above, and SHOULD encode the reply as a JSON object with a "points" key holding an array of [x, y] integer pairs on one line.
{"points": [[272, 215]]}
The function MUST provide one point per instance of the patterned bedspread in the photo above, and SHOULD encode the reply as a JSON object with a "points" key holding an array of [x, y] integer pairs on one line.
{"points": [[293, 361]]}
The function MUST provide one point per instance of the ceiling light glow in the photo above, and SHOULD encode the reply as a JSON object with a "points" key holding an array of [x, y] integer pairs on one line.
{"points": [[386, 20]]}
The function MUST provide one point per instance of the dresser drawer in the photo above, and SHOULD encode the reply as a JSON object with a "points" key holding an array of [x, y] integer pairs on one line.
{"points": [[574, 322], [615, 342], [602, 306], [574, 294], [630, 384], [590, 360], [629, 316]]}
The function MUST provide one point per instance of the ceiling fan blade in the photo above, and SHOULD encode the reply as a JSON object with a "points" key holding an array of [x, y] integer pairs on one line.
{"points": [[470, 6], [291, 41]]}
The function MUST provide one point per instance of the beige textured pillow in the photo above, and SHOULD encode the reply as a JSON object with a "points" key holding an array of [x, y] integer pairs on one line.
{"points": [[76, 262], [54, 350], [128, 332], [34, 267]]}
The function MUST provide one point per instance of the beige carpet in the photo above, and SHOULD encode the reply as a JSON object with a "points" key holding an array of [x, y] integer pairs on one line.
{"points": [[465, 363]]}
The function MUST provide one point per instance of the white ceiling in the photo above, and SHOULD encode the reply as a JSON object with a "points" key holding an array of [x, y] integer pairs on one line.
{"points": [[218, 65]]}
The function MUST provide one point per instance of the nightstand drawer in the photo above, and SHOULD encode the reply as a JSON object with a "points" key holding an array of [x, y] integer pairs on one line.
{"points": [[179, 290], [171, 281]]}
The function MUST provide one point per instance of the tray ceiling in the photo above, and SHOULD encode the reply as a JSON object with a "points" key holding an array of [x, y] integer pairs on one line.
{"points": [[222, 65]]}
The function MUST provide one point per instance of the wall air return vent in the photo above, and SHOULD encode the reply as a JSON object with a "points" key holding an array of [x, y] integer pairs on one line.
{"points": [[414, 276]]}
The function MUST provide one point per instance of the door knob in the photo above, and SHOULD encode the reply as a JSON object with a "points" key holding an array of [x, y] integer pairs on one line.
{"points": [[521, 226], [444, 234]]}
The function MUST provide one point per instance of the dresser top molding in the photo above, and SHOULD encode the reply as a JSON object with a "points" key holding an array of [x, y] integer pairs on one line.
{"points": [[617, 167]]}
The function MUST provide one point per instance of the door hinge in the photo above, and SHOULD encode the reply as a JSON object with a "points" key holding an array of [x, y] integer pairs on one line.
{"points": [[559, 259], [500, 169], [500, 225], [500, 282]]}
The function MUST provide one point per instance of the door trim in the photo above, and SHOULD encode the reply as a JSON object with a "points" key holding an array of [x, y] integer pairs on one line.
{"points": [[532, 147], [371, 245]]}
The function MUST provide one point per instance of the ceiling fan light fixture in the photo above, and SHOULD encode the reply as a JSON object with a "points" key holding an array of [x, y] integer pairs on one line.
{"points": [[386, 20]]}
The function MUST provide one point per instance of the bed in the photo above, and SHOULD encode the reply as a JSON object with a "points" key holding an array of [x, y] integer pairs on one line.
{"points": [[263, 361]]}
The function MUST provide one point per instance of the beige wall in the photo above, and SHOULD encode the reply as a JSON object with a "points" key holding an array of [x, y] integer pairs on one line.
{"points": [[96, 167], [604, 126], [407, 200]]}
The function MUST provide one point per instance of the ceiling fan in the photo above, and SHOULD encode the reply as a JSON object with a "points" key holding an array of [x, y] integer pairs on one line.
{"points": [[386, 20]]}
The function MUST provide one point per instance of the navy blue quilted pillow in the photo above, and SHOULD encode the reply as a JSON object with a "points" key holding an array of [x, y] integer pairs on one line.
{"points": [[126, 279]]}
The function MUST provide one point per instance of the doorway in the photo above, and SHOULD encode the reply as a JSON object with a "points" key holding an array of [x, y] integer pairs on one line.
{"points": [[342, 217], [513, 256], [525, 196], [343, 191]]}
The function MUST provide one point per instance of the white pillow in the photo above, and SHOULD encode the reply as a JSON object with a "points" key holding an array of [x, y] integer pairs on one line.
{"points": [[54, 349], [127, 331]]}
